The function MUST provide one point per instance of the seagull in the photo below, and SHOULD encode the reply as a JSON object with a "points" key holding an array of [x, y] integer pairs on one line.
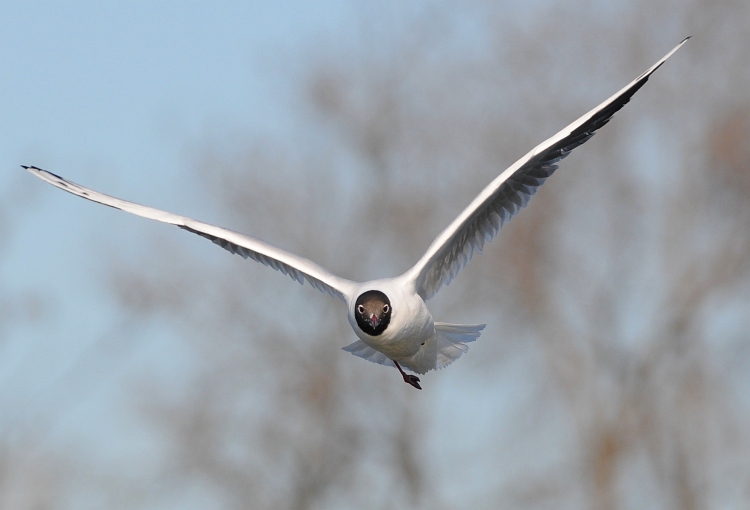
{"points": [[389, 316]]}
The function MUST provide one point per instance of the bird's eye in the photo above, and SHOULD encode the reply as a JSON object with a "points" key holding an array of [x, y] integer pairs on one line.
{"points": [[386, 308], [361, 309]]}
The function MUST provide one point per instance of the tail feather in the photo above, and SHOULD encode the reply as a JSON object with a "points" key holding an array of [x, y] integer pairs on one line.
{"points": [[359, 348], [452, 339], [448, 344]]}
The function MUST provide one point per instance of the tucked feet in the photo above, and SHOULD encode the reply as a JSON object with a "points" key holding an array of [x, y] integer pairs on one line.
{"points": [[409, 379]]}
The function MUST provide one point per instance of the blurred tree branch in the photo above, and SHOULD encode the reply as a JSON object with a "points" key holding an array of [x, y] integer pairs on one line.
{"points": [[611, 273]]}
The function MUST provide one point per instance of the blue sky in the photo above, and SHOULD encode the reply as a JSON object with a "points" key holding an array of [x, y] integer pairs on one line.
{"points": [[111, 83], [110, 94], [114, 95]]}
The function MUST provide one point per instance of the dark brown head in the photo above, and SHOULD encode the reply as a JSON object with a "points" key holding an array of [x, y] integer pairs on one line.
{"points": [[373, 312]]}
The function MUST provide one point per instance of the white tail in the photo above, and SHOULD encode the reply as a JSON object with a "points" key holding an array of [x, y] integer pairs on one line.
{"points": [[452, 340], [448, 344]]}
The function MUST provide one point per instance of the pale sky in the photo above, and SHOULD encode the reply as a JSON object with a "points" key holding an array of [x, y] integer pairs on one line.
{"points": [[114, 95], [111, 95]]}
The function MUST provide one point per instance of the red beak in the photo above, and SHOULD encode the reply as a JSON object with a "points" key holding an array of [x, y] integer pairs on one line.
{"points": [[374, 321]]}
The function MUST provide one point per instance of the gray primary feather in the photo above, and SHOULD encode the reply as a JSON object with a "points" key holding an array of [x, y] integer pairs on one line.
{"points": [[298, 268], [504, 197]]}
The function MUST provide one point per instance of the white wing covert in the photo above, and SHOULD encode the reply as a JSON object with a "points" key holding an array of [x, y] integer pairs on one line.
{"points": [[505, 196], [298, 268]]}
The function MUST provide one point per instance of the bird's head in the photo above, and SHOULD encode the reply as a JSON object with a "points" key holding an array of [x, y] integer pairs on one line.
{"points": [[372, 310]]}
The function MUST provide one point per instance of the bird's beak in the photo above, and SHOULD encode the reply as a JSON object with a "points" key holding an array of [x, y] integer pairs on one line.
{"points": [[374, 321]]}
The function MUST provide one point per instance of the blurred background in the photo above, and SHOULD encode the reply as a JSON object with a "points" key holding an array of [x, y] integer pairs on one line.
{"points": [[142, 367]]}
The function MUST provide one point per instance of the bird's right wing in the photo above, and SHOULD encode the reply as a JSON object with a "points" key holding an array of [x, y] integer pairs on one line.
{"points": [[298, 268]]}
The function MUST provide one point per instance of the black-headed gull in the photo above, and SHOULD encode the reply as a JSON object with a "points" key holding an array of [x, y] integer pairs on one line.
{"points": [[389, 316]]}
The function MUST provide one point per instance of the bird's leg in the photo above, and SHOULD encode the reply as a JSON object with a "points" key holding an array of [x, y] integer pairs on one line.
{"points": [[409, 379]]}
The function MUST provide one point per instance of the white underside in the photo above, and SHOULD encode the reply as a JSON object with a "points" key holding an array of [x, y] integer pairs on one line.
{"points": [[440, 350]]}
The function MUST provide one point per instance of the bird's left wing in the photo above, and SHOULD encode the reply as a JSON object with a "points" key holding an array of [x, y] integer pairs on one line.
{"points": [[298, 268], [508, 193]]}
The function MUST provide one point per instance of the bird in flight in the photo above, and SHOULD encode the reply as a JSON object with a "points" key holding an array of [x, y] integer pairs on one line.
{"points": [[389, 316]]}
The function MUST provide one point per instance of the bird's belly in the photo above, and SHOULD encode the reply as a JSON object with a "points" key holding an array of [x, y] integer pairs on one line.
{"points": [[405, 339], [397, 346]]}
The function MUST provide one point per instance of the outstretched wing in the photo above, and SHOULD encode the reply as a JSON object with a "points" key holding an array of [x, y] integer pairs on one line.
{"points": [[298, 268], [509, 193]]}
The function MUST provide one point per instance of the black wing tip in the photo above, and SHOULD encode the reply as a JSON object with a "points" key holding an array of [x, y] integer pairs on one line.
{"points": [[645, 76], [32, 167]]}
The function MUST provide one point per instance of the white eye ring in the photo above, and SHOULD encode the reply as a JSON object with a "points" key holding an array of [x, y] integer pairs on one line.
{"points": [[386, 308], [361, 309]]}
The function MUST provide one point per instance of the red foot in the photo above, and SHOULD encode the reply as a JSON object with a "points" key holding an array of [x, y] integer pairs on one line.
{"points": [[413, 380], [408, 379]]}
